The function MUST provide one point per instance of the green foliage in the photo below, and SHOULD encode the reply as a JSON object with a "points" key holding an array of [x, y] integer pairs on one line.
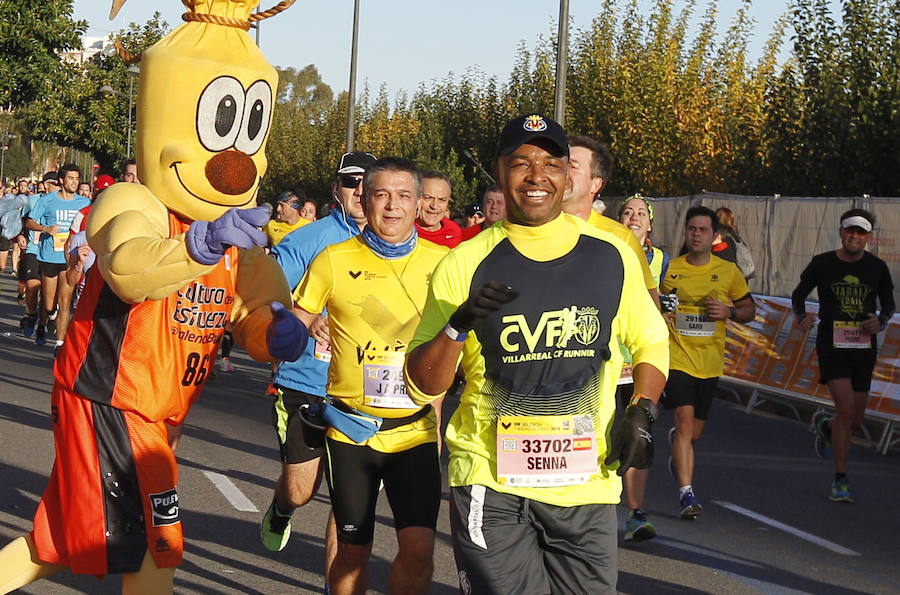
{"points": [[32, 33], [73, 112], [682, 107], [833, 110]]}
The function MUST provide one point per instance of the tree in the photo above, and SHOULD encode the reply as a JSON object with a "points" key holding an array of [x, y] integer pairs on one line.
{"points": [[73, 112], [32, 35]]}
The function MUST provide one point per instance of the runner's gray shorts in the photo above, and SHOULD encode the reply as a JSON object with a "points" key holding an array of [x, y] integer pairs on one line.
{"points": [[509, 544]]}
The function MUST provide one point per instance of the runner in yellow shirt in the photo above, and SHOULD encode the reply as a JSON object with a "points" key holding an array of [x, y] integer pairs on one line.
{"points": [[709, 291], [287, 216], [374, 287], [590, 164], [534, 309]]}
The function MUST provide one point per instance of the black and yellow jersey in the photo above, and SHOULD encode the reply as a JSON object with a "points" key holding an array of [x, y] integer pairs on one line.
{"points": [[697, 347], [374, 305], [548, 360]]}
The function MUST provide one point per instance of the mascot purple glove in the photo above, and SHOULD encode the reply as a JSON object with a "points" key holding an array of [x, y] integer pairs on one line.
{"points": [[286, 336], [207, 241]]}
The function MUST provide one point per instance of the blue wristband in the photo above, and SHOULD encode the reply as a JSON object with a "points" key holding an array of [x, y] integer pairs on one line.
{"points": [[458, 336]]}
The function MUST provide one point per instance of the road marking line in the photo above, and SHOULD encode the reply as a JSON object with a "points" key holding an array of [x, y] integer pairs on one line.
{"points": [[829, 545], [231, 492]]}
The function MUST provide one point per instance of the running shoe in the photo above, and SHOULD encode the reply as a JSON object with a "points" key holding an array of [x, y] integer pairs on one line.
{"points": [[271, 391], [51, 326], [40, 335], [54, 314], [840, 491], [27, 324], [823, 441], [276, 529], [690, 508], [225, 365], [638, 527]]}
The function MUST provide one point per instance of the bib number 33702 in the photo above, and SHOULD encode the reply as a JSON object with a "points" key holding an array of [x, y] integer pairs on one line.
{"points": [[546, 450]]}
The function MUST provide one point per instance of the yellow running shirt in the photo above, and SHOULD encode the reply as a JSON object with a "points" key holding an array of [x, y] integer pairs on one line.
{"points": [[698, 345], [276, 230], [541, 372], [374, 305]]}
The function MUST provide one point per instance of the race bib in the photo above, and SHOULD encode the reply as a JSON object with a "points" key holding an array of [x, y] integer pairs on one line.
{"points": [[383, 384], [546, 450], [323, 352], [59, 241], [691, 321], [849, 335], [627, 373]]}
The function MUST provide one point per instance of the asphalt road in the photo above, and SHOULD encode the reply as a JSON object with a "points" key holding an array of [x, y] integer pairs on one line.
{"points": [[767, 527]]}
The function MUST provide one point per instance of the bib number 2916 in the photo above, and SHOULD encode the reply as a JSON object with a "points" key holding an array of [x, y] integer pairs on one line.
{"points": [[195, 369]]}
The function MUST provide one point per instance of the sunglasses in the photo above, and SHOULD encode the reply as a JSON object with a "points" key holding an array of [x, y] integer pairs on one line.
{"points": [[350, 181]]}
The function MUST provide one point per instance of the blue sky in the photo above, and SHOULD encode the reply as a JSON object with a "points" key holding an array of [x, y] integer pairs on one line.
{"points": [[405, 42]]}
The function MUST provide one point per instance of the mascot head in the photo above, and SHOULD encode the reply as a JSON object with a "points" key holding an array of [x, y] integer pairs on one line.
{"points": [[204, 109]]}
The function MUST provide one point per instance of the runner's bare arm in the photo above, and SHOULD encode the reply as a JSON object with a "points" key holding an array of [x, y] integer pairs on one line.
{"points": [[648, 381], [432, 367]]}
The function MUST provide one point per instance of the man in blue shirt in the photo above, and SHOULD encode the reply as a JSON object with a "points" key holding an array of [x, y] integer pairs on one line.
{"points": [[52, 216], [303, 381], [28, 271]]}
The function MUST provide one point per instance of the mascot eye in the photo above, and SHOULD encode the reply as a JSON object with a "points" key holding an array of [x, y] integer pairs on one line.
{"points": [[219, 113], [257, 109]]}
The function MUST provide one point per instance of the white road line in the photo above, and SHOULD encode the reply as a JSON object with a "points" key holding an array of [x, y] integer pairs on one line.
{"points": [[230, 491], [829, 545]]}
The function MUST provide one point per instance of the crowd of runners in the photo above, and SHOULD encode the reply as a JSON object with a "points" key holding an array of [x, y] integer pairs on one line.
{"points": [[565, 329]]}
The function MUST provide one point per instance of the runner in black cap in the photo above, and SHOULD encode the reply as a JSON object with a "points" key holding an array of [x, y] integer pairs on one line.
{"points": [[534, 309]]}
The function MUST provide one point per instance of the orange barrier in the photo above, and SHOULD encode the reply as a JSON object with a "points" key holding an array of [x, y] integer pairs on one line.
{"points": [[774, 354]]}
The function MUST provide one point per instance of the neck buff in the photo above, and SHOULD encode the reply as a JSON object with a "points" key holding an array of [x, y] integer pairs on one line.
{"points": [[386, 249]]}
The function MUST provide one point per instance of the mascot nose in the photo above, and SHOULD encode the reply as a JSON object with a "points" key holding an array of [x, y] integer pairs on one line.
{"points": [[231, 172]]}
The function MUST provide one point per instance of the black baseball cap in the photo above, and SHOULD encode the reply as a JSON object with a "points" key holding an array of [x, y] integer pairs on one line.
{"points": [[354, 162], [474, 209], [51, 176], [520, 130]]}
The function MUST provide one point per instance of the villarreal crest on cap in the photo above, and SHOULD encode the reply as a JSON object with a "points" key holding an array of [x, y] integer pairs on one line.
{"points": [[523, 129]]}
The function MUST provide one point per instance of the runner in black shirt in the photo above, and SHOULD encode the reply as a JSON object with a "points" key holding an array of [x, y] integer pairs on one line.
{"points": [[849, 280]]}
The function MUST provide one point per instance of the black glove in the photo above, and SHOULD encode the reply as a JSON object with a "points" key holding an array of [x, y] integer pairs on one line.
{"points": [[482, 301], [632, 445]]}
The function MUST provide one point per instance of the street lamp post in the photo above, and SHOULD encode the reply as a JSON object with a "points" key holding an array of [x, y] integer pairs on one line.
{"points": [[351, 99], [562, 42], [4, 147], [132, 72]]}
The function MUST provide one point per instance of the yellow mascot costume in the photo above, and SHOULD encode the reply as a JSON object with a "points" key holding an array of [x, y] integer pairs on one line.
{"points": [[178, 258]]}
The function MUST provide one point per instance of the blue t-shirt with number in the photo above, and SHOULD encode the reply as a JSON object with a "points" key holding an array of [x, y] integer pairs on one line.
{"points": [[52, 209]]}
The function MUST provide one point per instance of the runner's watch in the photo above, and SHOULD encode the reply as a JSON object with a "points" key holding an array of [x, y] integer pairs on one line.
{"points": [[732, 313]]}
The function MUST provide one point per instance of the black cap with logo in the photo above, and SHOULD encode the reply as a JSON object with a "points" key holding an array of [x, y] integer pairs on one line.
{"points": [[523, 129], [354, 162]]}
